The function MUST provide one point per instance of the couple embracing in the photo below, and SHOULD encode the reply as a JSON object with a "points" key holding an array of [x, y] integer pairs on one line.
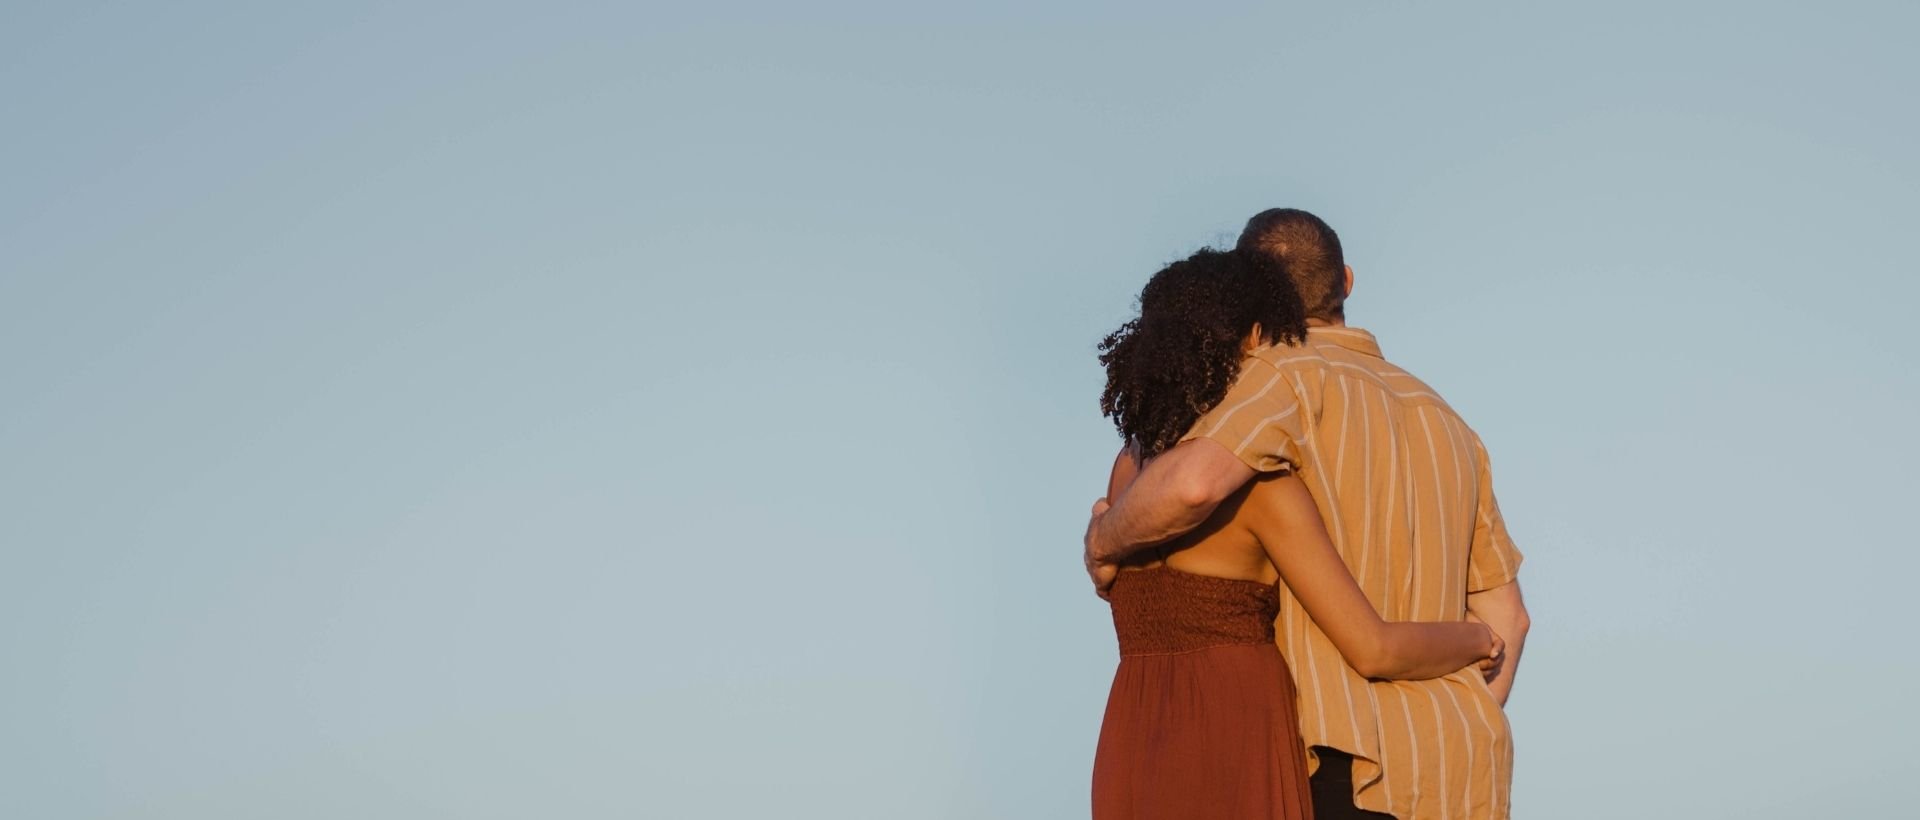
{"points": [[1315, 595]]}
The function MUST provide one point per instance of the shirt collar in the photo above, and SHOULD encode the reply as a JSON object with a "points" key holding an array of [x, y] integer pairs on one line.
{"points": [[1351, 338]]}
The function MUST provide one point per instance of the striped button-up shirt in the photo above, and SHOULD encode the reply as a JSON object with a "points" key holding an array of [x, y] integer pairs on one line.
{"points": [[1404, 489]]}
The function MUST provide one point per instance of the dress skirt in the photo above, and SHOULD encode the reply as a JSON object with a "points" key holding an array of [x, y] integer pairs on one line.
{"points": [[1201, 723]]}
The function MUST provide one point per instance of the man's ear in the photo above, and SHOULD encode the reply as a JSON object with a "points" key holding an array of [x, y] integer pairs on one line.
{"points": [[1255, 339], [1349, 282]]}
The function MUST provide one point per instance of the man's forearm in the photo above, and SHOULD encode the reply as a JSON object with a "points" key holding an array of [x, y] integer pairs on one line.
{"points": [[1172, 495], [1505, 612], [1135, 523]]}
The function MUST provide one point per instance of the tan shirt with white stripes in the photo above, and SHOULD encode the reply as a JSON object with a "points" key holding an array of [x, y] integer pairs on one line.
{"points": [[1403, 486]]}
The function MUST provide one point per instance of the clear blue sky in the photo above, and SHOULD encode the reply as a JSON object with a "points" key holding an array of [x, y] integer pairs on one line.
{"points": [[485, 410]]}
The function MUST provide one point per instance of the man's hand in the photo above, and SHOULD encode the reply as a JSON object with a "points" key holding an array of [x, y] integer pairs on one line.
{"points": [[1496, 655], [1101, 573]]}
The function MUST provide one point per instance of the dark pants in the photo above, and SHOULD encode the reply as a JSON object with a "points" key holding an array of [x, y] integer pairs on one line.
{"points": [[1333, 789]]}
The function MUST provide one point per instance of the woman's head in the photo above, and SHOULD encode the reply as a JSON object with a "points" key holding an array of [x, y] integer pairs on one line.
{"points": [[1175, 362]]}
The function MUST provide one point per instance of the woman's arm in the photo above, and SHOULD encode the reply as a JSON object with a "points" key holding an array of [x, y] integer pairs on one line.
{"points": [[1125, 468], [1281, 513]]}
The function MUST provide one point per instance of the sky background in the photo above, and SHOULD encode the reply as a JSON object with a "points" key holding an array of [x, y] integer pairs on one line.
{"points": [[481, 410]]}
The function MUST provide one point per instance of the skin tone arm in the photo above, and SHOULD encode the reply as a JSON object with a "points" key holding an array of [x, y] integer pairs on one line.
{"points": [[1281, 513], [1173, 494], [1125, 470], [1505, 612]]}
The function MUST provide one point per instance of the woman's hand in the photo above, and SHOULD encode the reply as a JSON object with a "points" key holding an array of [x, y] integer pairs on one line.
{"points": [[1496, 650]]}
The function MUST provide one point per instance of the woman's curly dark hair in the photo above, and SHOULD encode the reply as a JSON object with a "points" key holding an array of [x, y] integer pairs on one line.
{"points": [[1171, 365]]}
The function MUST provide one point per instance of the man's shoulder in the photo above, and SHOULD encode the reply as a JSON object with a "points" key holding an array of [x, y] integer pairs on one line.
{"points": [[1401, 380], [1290, 356], [1310, 364], [1311, 356]]}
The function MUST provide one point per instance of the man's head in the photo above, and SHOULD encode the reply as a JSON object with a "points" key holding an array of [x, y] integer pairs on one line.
{"points": [[1309, 251]]}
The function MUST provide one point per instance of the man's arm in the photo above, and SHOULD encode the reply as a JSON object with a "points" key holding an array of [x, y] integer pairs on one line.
{"points": [[1174, 493], [1505, 612], [1254, 429]]}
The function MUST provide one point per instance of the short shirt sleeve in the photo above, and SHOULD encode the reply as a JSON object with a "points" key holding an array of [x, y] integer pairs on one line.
{"points": [[1259, 420], [1494, 560]]}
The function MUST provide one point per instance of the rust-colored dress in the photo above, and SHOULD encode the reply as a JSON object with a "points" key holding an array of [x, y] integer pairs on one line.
{"points": [[1201, 723]]}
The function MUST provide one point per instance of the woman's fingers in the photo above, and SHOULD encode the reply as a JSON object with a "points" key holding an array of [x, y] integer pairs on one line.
{"points": [[1496, 655]]}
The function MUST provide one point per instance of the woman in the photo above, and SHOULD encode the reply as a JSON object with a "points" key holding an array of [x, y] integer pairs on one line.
{"points": [[1201, 721]]}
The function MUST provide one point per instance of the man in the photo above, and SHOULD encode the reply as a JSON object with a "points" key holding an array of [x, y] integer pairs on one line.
{"points": [[1403, 486]]}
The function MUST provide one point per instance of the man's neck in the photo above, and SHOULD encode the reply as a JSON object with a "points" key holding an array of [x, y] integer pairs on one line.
{"points": [[1315, 321]]}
